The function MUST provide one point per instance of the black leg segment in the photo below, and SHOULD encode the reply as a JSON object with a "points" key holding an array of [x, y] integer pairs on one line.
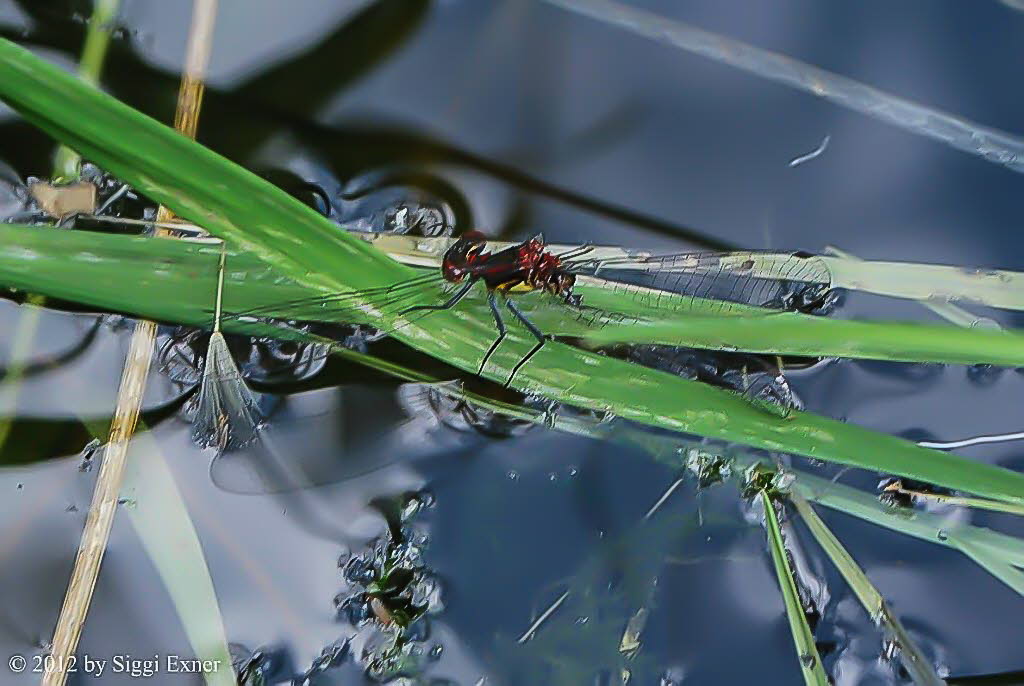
{"points": [[452, 301], [498, 322], [541, 339], [526, 322]]}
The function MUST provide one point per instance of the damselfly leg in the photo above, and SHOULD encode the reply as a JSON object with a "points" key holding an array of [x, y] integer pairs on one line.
{"points": [[498, 322], [541, 339], [447, 305]]}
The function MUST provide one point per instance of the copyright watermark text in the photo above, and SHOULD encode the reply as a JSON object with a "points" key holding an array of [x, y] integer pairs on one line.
{"points": [[130, 665]]}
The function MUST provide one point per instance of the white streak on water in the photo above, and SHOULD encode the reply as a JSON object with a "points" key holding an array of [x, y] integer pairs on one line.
{"points": [[812, 154], [976, 440], [543, 618]]}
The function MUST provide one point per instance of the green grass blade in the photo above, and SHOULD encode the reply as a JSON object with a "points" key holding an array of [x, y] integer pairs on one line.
{"points": [[959, 501], [910, 282], [994, 564], [300, 245], [803, 639], [769, 332], [1000, 555], [60, 263], [798, 334], [919, 668], [67, 163]]}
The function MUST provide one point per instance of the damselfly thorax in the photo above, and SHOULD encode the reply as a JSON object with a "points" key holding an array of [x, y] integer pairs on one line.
{"points": [[521, 268]]}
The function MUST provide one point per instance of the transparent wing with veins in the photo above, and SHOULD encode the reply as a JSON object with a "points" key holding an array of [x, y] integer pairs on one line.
{"points": [[715, 283]]}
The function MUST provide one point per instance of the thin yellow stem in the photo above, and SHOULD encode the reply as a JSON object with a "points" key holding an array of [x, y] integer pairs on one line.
{"points": [[220, 289], [961, 501]]}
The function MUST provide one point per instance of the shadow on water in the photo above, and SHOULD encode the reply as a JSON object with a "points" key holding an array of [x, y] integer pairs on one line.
{"points": [[284, 98]]}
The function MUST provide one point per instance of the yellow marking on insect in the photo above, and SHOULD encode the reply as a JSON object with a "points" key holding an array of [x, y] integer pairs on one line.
{"points": [[515, 286]]}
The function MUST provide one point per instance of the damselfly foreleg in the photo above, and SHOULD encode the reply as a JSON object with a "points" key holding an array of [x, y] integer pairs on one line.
{"points": [[541, 338], [451, 302], [498, 322]]}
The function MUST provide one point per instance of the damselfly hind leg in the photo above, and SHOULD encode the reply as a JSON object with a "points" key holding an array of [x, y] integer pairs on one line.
{"points": [[498, 322], [541, 339]]}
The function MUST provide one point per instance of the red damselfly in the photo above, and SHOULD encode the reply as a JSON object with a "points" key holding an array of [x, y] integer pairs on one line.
{"points": [[719, 283]]}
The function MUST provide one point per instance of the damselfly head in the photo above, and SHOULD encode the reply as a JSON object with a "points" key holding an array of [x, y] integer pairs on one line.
{"points": [[461, 254]]}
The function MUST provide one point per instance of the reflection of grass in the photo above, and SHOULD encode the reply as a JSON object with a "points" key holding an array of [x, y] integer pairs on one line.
{"points": [[957, 132]]}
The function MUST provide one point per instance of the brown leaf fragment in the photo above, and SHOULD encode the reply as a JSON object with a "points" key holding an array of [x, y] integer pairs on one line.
{"points": [[60, 200]]}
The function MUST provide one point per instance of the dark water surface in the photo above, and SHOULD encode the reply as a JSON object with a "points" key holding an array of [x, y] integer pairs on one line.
{"points": [[516, 117]]}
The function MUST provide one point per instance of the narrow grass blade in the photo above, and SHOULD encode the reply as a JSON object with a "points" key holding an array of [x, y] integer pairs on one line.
{"points": [[108, 484], [165, 529], [960, 501], [104, 505], [990, 144], [798, 334], [1000, 555], [995, 565], [914, 661], [937, 300], [67, 163], [803, 639]]}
